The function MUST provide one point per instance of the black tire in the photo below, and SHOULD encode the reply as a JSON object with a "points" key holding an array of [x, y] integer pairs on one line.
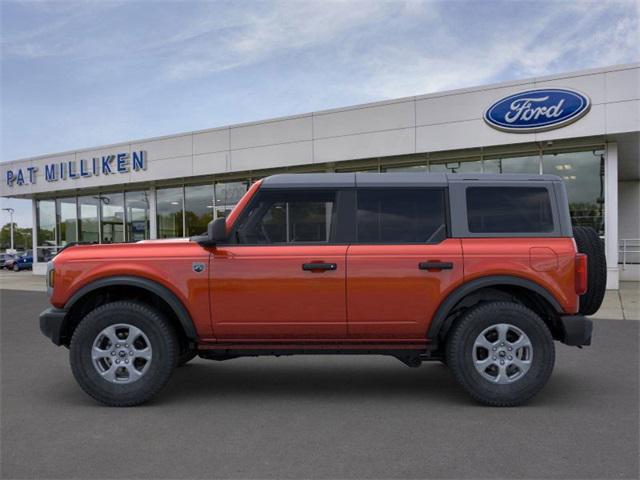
{"points": [[186, 356], [589, 243], [460, 351], [164, 347]]}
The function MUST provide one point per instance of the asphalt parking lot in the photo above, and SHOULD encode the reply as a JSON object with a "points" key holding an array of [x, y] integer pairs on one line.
{"points": [[316, 417]]}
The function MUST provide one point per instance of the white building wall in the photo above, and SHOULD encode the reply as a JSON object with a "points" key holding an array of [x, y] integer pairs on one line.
{"points": [[428, 123]]}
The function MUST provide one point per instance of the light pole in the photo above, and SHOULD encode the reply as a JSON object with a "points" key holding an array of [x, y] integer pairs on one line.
{"points": [[11, 212]]}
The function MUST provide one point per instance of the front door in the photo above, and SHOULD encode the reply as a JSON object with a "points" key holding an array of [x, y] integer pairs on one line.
{"points": [[283, 276], [402, 264]]}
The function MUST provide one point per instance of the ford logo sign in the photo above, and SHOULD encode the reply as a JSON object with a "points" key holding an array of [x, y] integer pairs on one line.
{"points": [[537, 110]]}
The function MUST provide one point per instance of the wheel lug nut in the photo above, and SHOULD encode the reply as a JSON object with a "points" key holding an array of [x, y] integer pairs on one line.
{"points": [[510, 348], [113, 353], [510, 357], [117, 345], [126, 361], [501, 362], [494, 348], [502, 344], [131, 353], [495, 358], [126, 345], [117, 361]]}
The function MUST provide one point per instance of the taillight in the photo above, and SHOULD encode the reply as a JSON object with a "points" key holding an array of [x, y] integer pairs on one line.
{"points": [[581, 274]]}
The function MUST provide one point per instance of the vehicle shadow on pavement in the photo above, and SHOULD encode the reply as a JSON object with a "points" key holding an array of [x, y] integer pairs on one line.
{"points": [[431, 383]]}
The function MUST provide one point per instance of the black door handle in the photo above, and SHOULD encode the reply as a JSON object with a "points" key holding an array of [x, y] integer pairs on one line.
{"points": [[435, 265], [319, 266]]}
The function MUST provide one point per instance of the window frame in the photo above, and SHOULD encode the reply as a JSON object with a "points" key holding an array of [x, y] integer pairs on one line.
{"points": [[447, 215], [337, 236], [460, 219]]}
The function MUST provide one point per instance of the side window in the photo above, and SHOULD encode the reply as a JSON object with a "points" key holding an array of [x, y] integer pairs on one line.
{"points": [[401, 216], [509, 210], [289, 216]]}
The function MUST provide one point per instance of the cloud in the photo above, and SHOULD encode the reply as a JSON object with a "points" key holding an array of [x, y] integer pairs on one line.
{"points": [[555, 40], [285, 27]]}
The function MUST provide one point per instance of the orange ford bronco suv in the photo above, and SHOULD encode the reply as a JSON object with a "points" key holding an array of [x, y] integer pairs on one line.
{"points": [[480, 272]]}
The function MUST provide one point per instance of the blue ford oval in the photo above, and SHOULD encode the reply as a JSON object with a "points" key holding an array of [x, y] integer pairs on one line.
{"points": [[537, 110]]}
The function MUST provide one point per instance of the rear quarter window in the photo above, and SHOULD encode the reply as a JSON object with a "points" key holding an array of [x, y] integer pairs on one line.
{"points": [[509, 210]]}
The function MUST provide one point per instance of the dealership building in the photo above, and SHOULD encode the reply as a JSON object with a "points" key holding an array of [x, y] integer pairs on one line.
{"points": [[582, 126]]}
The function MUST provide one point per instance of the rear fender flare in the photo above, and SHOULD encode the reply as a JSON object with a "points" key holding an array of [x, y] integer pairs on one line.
{"points": [[439, 321]]}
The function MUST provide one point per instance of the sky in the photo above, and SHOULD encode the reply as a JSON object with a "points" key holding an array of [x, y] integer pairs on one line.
{"points": [[88, 73]]}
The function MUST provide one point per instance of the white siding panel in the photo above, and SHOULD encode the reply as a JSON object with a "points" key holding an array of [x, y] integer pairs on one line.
{"points": [[592, 123], [361, 120], [166, 147], [212, 141], [457, 108], [623, 117], [166, 168], [209, 163], [623, 85], [271, 133], [367, 145], [469, 134], [282, 155], [592, 85]]}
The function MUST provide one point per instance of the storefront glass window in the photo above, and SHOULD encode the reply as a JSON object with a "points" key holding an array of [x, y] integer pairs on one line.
{"points": [[583, 175], [407, 168], [472, 166], [137, 216], [227, 195], [198, 208], [169, 212], [528, 164], [67, 220], [362, 169], [46, 229], [112, 217], [88, 219]]}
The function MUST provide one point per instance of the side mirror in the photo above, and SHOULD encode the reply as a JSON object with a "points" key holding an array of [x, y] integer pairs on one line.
{"points": [[217, 230]]}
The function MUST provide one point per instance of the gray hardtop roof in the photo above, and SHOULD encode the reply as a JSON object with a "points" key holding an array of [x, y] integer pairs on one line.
{"points": [[404, 179]]}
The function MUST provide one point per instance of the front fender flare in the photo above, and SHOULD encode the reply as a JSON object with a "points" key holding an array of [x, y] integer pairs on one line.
{"points": [[163, 292]]}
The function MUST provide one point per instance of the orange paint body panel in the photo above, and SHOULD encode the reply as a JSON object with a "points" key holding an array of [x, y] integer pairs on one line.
{"points": [[551, 267], [260, 292], [388, 296], [168, 263]]}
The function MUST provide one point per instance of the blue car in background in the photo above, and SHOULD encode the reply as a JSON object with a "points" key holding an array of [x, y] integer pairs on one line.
{"points": [[23, 262]]}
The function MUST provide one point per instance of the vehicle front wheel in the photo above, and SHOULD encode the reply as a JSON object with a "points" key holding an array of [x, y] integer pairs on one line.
{"points": [[123, 353], [502, 353], [16, 268], [186, 356]]}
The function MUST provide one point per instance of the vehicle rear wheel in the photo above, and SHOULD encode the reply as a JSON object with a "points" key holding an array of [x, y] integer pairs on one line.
{"points": [[123, 353], [502, 353], [589, 243]]}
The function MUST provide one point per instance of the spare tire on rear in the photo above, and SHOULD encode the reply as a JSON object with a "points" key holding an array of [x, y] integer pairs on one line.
{"points": [[589, 243]]}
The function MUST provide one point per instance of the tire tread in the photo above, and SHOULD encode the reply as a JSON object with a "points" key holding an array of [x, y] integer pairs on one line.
{"points": [[83, 330], [455, 342]]}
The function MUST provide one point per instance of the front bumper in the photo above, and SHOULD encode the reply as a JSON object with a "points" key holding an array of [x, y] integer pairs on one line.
{"points": [[52, 324], [576, 330]]}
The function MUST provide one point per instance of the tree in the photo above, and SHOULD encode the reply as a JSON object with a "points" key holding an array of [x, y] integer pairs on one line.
{"points": [[22, 237]]}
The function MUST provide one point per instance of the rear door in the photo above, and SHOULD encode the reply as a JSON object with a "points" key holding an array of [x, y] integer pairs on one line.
{"points": [[284, 277], [402, 263]]}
